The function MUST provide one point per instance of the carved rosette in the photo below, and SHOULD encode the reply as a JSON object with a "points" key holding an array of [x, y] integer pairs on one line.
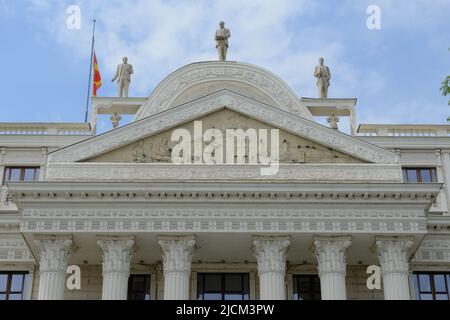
{"points": [[117, 254], [393, 254], [331, 254], [270, 253], [54, 254], [177, 253]]}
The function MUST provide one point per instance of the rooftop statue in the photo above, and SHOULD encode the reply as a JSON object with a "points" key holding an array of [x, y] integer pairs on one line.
{"points": [[123, 76], [222, 35], [323, 75]]}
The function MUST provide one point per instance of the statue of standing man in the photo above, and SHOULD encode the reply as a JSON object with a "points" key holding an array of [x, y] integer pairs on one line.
{"points": [[123, 74], [222, 35], [323, 75]]}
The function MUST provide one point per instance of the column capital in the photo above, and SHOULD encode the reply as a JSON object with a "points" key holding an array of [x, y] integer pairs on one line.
{"points": [[117, 253], [331, 253], [270, 252], [177, 253], [393, 253], [54, 252]]}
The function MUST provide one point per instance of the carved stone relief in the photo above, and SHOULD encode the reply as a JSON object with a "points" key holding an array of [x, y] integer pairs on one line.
{"points": [[157, 148]]}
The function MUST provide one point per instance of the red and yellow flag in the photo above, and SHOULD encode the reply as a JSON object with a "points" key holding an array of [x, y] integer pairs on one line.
{"points": [[97, 78]]}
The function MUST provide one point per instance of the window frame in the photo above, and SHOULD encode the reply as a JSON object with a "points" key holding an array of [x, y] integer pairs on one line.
{"points": [[24, 290], [245, 276], [431, 275], [418, 171], [314, 294], [8, 170]]}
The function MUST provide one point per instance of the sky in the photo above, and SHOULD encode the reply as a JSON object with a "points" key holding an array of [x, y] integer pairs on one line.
{"points": [[395, 71]]}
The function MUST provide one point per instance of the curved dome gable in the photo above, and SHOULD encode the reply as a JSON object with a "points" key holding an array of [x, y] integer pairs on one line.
{"points": [[202, 78]]}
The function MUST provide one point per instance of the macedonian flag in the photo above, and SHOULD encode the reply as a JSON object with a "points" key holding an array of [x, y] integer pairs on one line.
{"points": [[97, 78]]}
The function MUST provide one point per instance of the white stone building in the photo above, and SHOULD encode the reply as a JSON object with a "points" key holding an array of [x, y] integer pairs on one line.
{"points": [[141, 227]]}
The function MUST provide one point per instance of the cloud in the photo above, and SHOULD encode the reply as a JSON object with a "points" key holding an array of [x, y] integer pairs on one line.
{"points": [[286, 37]]}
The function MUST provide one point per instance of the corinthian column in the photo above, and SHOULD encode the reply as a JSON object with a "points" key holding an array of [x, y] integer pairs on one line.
{"points": [[270, 253], [177, 257], [331, 254], [117, 253], [393, 255], [54, 255]]}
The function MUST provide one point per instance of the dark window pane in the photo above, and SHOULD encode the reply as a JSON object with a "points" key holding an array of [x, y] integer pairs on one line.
{"points": [[306, 287], [139, 287], [3, 282], [426, 175], [416, 286], [233, 282], [424, 280], [2, 296], [15, 296], [213, 282], [29, 174], [426, 296], [305, 296], [14, 174], [441, 296], [439, 283], [212, 296], [233, 296], [412, 175], [16, 283], [138, 284]]}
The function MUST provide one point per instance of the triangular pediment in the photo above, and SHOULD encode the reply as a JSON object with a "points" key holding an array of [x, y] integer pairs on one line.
{"points": [[220, 110]]}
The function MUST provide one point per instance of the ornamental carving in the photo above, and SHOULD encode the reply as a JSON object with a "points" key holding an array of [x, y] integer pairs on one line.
{"points": [[54, 254], [393, 254], [270, 253], [177, 253], [251, 108], [117, 254], [331, 254]]}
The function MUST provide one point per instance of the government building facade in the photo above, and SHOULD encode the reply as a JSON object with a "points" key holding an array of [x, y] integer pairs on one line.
{"points": [[116, 210]]}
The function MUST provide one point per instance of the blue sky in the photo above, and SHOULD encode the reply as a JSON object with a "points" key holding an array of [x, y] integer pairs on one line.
{"points": [[395, 72]]}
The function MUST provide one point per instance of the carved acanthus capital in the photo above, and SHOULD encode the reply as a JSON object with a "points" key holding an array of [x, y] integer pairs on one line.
{"points": [[54, 253], [331, 253], [177, 253], [117, 254], [270, 253], [393, 254]]}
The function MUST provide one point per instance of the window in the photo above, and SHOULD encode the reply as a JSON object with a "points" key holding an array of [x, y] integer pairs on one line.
{"points": [[432, 285], [139, 287], [13, 285], [223, 286], [306, 287], [17, 174], [419, 175]]}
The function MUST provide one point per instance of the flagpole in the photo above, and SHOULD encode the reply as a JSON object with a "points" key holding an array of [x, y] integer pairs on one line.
{"points": [[90, 73]]}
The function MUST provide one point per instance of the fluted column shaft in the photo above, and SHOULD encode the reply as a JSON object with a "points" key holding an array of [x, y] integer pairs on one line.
{"points": [[393, 256], [54, 255], [177, 258], [331, 256], [116, 259], [270, 254]]}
